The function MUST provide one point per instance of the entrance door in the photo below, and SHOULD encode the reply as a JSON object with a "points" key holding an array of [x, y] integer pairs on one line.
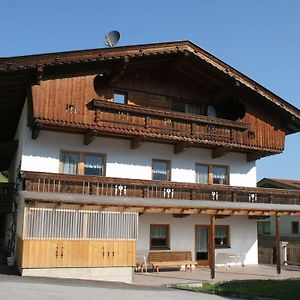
{"points": [[202, 247]]}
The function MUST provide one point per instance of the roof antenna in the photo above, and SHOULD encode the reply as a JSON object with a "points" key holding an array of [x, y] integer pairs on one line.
{"points": [[111, 39]]}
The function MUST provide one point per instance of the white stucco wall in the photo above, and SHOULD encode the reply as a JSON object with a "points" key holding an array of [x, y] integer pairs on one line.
{"points": [[42, 155], [20, 135], [285, 226], [243, 234]]}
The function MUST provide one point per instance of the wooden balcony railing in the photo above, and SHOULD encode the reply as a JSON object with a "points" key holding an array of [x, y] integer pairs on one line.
{"points": [[130, 120], [107, 186], [6, 196]]}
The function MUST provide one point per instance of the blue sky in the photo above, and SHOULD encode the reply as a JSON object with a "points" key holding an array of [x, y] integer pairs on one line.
{"points": [[260, 38]]}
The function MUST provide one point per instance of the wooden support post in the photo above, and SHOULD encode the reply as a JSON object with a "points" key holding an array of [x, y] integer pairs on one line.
{"points": [[278, 260], [212, 245]]}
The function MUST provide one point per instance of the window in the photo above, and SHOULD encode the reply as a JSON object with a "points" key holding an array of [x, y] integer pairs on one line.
{"points": [[161, 169], [222, 236], [209, 174], [70, 161], [295, 227], [219, 175], [93, 165], [211, 111], [159, 237], [82, 163], [263, 227], [202, 172], [186, 107], [120, 97]]}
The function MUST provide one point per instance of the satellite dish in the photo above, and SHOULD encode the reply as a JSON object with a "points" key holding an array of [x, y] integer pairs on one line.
{"points": [[112, 38]]}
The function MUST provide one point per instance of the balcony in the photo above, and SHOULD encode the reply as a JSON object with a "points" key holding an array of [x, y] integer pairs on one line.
{"points": [[7, 191], [119, 187], [182, 130]]}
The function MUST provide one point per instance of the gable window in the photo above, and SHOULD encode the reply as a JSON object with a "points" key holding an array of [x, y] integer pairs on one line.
{"points": [[186, 107], [159, 237], [263, 227], [295, 227], [161, 170], [120, 97], [222, 236], [210, 174], [79, 163], [211, 111]]}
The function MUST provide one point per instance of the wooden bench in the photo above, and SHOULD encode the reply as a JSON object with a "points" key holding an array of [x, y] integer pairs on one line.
{"points": [[170, 258]]}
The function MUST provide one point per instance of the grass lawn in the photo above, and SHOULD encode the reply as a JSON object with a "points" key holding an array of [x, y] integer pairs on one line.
{"points": [[252, 289]]}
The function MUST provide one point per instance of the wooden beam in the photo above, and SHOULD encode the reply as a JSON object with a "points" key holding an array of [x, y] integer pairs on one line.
{"points": [[212, 246], [89, 136], [35, 131], [173, 211], [278, 260], [136, 142], [219, 152], [252, 156], [154, 210], [221, 94], [190, 211], [180, 147], [116, 76], [255, 213], [134, 209], [172, 67]]}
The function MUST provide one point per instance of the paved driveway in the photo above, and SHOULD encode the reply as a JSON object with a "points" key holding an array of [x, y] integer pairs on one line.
{"points": [[21, 288]]}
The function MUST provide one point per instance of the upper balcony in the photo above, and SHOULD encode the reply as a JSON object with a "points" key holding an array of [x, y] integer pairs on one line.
{"points": [[255, 200], [183, 130]]}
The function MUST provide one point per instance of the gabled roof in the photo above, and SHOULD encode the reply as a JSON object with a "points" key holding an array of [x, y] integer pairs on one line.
{"points": [[279, 183], [17, 73]]}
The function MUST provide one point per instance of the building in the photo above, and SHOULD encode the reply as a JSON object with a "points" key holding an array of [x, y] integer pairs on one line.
{"points": [[134, 149], [289, 225]]}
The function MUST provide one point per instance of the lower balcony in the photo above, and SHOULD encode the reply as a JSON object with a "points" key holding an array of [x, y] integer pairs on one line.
{"points": [[134, 188]]}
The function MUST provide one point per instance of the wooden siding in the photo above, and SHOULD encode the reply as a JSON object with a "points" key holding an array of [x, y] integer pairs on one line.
{"points": [[89, 185], [75, 253], [64, 99], [64, 103]]}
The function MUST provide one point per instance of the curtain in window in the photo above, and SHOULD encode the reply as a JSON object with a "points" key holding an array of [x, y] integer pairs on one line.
{"points": [[159, 235], [160, 170], [221, 236], [201, 174], [202, 239], [158, 232], [219, 175], [70, 163], [93, 165]]}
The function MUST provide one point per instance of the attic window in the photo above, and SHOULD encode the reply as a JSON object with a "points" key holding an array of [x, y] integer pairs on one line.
{"points": [[211, 111], [120, 97]]}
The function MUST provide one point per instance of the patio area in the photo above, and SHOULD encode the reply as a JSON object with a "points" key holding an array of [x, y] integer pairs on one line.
{"points": [[200, 275]]}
